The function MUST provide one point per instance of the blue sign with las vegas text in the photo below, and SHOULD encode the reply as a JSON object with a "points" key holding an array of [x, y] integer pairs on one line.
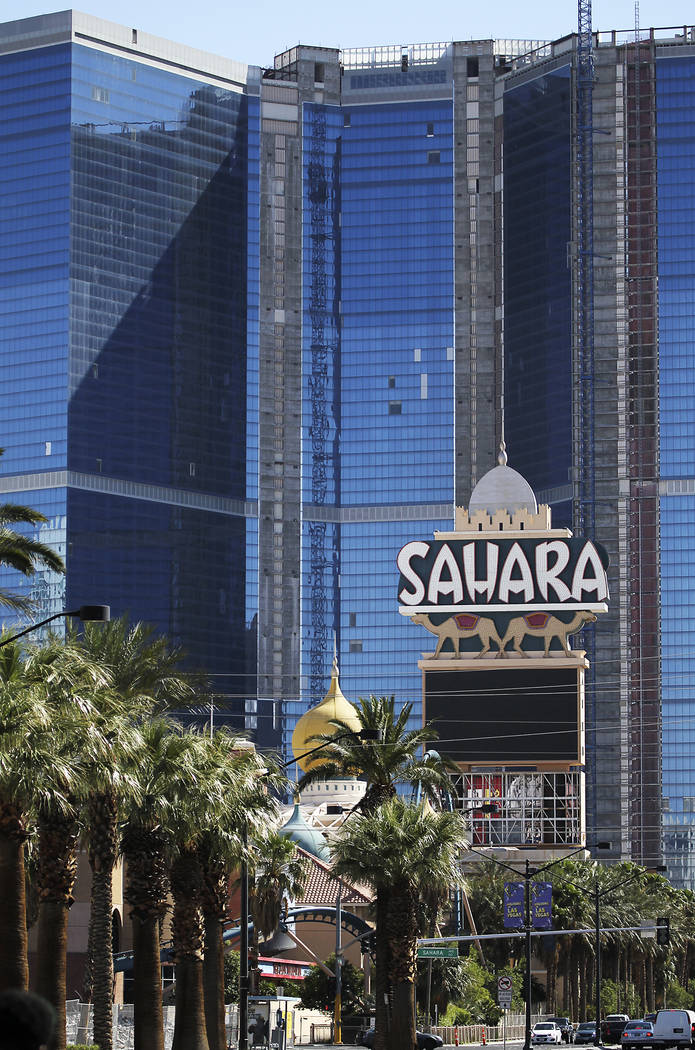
{"points": [[513, 905], [541, 905]]}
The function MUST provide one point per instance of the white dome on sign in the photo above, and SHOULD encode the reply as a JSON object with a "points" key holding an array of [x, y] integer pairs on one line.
{"points": [[502, 488]]}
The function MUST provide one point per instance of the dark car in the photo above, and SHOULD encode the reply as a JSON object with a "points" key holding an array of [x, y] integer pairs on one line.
{"points": [[650, 1017], [425, 1040], [586, 1033], [565, 1026], [612, 1028]]}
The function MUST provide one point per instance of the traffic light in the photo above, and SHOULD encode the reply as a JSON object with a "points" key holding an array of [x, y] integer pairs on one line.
{"points": [[663, 932]]}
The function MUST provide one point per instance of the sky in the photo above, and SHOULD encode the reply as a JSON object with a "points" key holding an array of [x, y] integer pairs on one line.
{"points": [[253, 31]]}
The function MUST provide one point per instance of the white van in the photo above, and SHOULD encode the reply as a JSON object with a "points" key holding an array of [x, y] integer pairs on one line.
{"points": [[674, 1028]]}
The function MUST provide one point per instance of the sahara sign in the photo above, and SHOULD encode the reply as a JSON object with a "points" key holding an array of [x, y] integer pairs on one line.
{"points": [[500, 575]]}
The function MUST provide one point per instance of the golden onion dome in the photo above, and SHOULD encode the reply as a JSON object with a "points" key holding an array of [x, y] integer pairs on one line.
{"points": [[318, 722]]}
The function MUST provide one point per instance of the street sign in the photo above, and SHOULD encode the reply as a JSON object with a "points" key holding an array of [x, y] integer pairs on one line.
{"points": [[541, 905], [513, 905], [504, 991], [438, 951]]}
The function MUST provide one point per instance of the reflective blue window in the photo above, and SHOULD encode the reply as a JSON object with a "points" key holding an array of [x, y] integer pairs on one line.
{"points": [[537, 278]]}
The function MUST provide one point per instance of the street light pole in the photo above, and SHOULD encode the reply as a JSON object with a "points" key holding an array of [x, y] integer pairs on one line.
{"points": [[94, 613], [597, 919], [527, 924], [527, 875], [338, 1006], [598, 894], [244, 947]]}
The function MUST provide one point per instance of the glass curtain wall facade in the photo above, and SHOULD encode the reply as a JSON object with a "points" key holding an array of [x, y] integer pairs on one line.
{"points": [[675, 95], [135, 191]]}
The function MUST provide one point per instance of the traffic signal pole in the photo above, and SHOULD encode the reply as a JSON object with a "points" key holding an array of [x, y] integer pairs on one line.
{"points": [[527, 924], [597, 918]]}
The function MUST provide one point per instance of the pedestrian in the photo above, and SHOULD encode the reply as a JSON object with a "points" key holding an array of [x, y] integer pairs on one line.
{"points": [[27, 1021]]}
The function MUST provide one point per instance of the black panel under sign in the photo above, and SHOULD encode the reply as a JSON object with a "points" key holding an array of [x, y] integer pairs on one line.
{"points": [[509, 715]]}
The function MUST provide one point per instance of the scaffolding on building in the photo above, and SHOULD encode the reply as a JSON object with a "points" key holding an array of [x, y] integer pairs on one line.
{"points": [[321, 348], [585, 476], [642, 447]]}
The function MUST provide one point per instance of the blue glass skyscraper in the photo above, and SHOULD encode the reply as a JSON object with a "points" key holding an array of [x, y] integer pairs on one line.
{"points": [[259, 325]]}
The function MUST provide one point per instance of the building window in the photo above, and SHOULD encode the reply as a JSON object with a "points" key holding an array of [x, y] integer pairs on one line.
{"points": [[394, 408], [472, 67], [430, 131], [392, 382], [353, 619], [347, 117], [100, 94], [319, 72], [433, 157], [356, 647], [689, 804]]}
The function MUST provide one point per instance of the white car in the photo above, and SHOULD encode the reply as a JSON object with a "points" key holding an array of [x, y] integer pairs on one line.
{"points": [[546, 1032]]}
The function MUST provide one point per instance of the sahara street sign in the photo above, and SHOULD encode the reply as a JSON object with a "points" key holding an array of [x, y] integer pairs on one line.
{"points": [[438, 951]]}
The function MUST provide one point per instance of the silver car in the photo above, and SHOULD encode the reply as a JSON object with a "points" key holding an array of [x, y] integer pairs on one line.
{"points": [[637, 1034]]}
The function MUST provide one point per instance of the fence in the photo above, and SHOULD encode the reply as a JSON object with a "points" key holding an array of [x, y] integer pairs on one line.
{"points": [[513, 1030], [79, 1024]]}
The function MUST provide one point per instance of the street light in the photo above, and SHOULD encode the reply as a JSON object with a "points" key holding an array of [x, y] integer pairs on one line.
{"points": [[86, 613], [527, 875], [598, 894], [362, 734]]}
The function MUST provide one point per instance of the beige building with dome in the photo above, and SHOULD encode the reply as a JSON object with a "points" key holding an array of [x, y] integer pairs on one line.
{"points": [[325, 803]]}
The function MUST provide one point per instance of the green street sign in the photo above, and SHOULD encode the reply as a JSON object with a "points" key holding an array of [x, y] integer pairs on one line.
{"points": [[438, 951]]}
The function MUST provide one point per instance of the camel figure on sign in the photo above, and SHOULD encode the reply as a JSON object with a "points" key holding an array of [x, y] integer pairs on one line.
{"points": [[464, 625], [543, 625]]}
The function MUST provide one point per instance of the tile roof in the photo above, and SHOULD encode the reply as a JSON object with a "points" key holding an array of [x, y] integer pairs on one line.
{"points": [[322, 886]]}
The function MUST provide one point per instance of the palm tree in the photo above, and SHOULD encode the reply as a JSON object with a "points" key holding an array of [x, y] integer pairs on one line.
{"points": [[144, 672], [277, 873], [221, 849], [396, 759], [33, 772], [24, 718], [399, 850], [73, 740], [22, 553], [210, 799], [162, 762]]}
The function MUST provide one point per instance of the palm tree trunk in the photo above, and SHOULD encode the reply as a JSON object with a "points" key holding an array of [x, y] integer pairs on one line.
{"points": [[102, 907], [102, 858], [52, 938], [589, 984], [650, 983], [57, 870], [146, 894], [575, 978], [148, 1017], [190, 1031], [14, 966], [402, 931], [213, 982], [381, 975]]}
